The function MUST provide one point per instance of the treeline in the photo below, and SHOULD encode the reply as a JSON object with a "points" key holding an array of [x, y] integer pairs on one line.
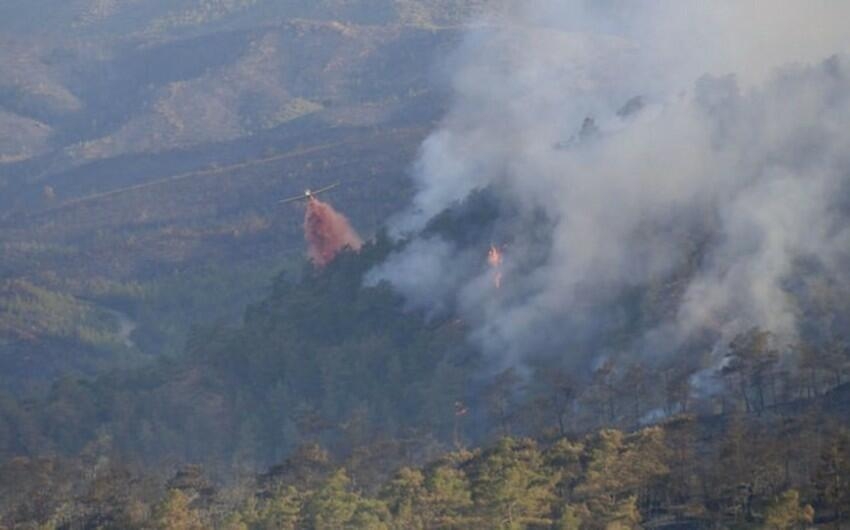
{"points": [[321, 358], [324, 359], [324, 362], [738, 472]]}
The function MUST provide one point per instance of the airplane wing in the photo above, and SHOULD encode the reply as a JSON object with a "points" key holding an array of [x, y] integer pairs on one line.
{"points": [[326, 188], [301, 197]]}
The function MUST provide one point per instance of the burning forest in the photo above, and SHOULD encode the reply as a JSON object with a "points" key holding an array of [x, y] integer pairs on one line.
{"points": [[661, 200], [609, 287]]}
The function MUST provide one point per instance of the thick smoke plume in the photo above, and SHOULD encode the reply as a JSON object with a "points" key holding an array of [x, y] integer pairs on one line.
{"points": [[327, 232], [677, 172]]}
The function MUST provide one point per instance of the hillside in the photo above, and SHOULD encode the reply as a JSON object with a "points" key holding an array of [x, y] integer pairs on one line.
{"points": [[327, 355], [333, 402], [424, 264], [145, 144]]}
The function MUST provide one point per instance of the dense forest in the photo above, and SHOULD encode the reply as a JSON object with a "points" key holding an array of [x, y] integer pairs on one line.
{"points": [[576, 265], [333, 406], [684, 473]]}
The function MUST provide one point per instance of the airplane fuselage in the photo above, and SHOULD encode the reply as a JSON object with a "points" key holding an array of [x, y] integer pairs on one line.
{"points": [[309, 194]]}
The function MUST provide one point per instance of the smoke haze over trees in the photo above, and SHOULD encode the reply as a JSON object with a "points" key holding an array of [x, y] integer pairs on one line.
{"points": [[586, 267], [666, 145]]}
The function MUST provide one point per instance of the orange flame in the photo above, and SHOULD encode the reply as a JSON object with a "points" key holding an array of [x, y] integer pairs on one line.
{"points": [[495, 258]]}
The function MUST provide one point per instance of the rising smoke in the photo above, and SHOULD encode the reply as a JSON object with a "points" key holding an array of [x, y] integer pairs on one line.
{"points": [[327, 232], [700, 150]]}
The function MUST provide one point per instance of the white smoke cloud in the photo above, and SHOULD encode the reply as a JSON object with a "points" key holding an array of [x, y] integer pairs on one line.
{"points": [[728, 176], [420, 273]]}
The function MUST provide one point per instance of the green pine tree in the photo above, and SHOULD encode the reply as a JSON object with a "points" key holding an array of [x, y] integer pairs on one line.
{"points": [[786, 513]]}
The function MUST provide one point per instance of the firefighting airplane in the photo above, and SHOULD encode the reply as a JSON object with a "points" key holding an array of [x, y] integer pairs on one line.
{"points": [[309, 194]]}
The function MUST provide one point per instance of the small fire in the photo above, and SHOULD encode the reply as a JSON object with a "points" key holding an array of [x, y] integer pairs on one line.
{"points": [[495, 258]]}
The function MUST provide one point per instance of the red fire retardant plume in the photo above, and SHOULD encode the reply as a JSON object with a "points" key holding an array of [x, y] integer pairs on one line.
{"points": [[327, 232]]}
